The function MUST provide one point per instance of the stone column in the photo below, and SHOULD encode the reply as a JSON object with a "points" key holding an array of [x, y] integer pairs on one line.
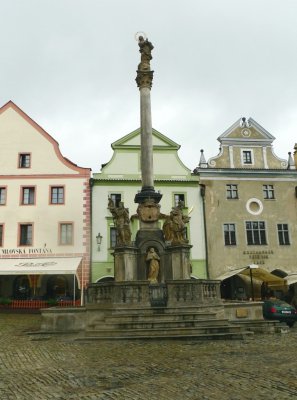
{"points": [[144, 81], [146, 140]]}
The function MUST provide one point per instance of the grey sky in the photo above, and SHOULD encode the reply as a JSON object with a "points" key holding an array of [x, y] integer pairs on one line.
{"points": [[71, 65]]}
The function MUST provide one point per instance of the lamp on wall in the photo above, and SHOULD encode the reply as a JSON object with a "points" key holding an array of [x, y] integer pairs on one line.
{"points": [[99, 240]]}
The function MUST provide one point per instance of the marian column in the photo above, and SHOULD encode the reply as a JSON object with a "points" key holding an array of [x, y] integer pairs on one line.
{"points": [[144, 81]]}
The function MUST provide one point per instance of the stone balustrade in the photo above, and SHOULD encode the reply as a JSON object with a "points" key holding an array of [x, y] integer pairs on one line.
{"points": [[141, 293]]}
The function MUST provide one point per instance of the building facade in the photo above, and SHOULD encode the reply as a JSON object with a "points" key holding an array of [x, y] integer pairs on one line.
{"points": [[120, 180], [44, 214], [250, 206]]}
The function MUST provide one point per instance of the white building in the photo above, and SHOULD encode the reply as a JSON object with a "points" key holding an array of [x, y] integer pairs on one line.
{"points": [[120, 179], [44, 213]]}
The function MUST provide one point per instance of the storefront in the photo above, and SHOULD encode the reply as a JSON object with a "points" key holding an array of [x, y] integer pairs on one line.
{"points": [[55, 279]]}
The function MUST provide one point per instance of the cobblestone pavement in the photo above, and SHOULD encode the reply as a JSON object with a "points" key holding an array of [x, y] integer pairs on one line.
{"points": [[42, 367]]}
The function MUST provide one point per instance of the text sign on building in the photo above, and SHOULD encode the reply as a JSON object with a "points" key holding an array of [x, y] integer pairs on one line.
{"points": [[258, 256]]}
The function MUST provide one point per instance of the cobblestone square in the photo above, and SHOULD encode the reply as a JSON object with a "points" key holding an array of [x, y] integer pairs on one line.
{"points": [[42, 367]]}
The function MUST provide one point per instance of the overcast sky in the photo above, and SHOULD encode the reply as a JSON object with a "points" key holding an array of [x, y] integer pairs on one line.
{"points": [[71, 66]]}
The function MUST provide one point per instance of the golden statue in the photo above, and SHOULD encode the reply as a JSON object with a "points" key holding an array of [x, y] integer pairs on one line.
{"points": [[154, 265]]}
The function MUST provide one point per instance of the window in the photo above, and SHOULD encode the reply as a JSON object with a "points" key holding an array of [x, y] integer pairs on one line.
{"points": [[25, 160], [57, 195], [268, 191], [2, 196], [1, 235], [116, 198], [113, 237], [232, 191], [255, 232], [247, 157], [283, 234], [179, 197], [229, 234], [28, 195], [66, 233], [26, 234]]}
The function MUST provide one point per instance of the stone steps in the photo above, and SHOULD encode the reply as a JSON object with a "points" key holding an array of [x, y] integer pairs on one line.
{"points": [[206, 333], [156, 324], [162, 323], [126, 331], [170, 335], [263, 326], [161, 317]]}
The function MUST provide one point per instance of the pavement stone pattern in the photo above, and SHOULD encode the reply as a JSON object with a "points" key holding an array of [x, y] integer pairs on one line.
{"points": [[43, 367]]}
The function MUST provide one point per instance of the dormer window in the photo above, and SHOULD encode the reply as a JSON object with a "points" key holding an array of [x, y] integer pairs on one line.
{"points": [[24, 160], [247, 157]]}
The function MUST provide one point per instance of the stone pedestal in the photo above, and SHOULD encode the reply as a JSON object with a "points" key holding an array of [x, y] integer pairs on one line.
{"points": [[179, 262], [125, 263]]}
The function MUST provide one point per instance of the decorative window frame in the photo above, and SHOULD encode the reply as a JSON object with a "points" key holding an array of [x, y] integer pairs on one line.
{"points": [[184, 194], [259, 230], [252, 156], [50, 195], [232, 190], [22, 195], [24, 154], [20, 224], [235, 236], [5, 196], [116, 193], [60, 223], [282, 231]]}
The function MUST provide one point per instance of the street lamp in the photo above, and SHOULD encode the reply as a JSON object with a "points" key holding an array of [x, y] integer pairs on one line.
{"points": [[99, 238]]}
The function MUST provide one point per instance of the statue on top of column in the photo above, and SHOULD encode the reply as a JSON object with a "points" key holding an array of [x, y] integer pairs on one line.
{"points": [[145, 48]]}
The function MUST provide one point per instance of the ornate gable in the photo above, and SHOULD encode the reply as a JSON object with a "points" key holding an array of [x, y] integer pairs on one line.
{"points": [[246, 144], [125, 162]]}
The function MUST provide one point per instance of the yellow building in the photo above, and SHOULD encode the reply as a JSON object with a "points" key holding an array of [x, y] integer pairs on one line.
{"points": [[249, 209]]}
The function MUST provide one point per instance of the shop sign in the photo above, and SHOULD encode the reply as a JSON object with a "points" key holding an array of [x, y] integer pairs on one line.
{"points": [[258, 256], [11, 252]]}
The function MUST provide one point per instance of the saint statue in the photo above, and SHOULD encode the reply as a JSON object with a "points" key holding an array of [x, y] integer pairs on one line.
{"points": [[145, 48], [154, 265], [174, 227], [121, 221]]}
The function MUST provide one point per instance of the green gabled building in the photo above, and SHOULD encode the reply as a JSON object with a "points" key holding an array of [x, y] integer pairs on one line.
{"points": [[120, 179]]}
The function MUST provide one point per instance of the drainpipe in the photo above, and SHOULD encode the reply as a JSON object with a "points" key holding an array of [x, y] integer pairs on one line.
{"points": [[91, 182], [202, 192]]}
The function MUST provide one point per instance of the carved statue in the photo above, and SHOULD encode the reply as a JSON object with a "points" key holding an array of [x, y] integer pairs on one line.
{"points": [[148, 211], [145, 48], [122, 222], [154, 265], [144, 78], [174, 227]]}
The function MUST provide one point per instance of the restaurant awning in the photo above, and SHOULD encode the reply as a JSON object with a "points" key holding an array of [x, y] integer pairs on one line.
{"points": [[258, 273], [230, 273], [291, 278], [264, 276], [39, 266]]}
